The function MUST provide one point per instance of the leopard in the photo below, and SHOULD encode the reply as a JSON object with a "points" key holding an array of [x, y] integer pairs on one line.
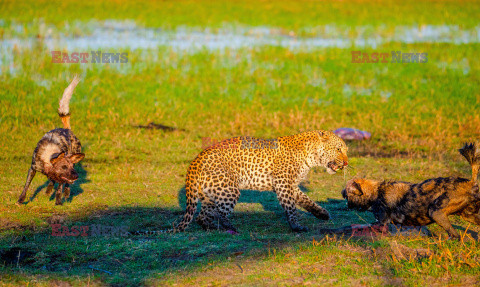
{"points": [[216, 176]]}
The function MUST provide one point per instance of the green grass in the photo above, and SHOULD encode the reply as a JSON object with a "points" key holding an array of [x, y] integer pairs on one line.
{"points": [[292, 15], [418, 114]]}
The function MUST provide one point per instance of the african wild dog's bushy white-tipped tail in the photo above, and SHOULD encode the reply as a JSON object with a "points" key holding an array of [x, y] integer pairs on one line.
{"points": [[471, 152], [63, 108]]}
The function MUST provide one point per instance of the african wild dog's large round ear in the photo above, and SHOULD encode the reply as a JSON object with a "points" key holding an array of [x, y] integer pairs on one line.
{"points": [[74, 158], [56, 157], [324, 135], [357, 189]]}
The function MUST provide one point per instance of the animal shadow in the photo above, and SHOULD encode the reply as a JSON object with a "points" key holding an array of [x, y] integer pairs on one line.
{"points": [[75, 188], [268, 200]]}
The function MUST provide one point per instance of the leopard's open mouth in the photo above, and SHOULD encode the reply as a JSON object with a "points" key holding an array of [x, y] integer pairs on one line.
{"points": [[332, 167]]}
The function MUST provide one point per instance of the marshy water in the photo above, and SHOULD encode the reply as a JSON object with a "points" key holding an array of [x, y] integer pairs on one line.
{"points": [[127, 34], [113, 36]]}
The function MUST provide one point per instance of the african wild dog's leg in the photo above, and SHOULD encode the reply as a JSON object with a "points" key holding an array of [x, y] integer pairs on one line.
{"points": [[471, 213], [472, 218], [226, 200], [31, 174], [442, 219], [59, 194], [305, 202], [66, 191], [285, 195], [383, 217], [49, 189]]}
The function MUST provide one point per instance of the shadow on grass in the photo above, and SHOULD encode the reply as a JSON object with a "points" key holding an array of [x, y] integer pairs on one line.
{"points": [[268, 199], [136, 260], [75, 188], [133, 260]]}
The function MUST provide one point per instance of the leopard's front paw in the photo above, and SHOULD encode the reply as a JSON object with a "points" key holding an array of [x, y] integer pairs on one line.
{"points": [[322, 214]]}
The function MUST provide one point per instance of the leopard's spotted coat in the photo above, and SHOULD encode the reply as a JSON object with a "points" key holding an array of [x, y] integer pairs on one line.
{"points": [[218, 173]]}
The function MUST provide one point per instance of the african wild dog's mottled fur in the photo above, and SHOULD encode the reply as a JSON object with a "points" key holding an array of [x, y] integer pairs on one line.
{"points": [[56, 153], [423, 203]]}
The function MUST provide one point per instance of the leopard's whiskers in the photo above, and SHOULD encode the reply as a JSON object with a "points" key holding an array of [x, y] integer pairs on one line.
{"points": [[349, 166]]}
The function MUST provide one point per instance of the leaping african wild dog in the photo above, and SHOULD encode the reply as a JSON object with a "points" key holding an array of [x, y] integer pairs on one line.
{"points": [[57, 152]]}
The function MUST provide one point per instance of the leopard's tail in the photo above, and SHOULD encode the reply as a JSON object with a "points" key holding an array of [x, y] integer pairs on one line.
{"points": [[471, 152], [192, 200], [63, 106], [150, 232]]}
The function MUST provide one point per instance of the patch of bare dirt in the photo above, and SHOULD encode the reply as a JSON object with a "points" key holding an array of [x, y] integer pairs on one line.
{"points": [[56, 219], [401, 252], [6, 224]]}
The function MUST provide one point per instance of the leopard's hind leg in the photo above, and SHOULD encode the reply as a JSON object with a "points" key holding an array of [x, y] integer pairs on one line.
{"points": [[226, 200], [207, 215], [219, 197]]}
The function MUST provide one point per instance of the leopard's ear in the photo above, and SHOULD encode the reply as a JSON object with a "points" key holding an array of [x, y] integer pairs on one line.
{"points": [[324, 135]]}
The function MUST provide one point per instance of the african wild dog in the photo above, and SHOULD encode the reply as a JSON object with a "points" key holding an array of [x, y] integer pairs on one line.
{"points": [[424, 203], [57, 152]]}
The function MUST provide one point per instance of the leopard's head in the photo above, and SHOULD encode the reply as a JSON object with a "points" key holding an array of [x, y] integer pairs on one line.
{"points": [[332, 152]]}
